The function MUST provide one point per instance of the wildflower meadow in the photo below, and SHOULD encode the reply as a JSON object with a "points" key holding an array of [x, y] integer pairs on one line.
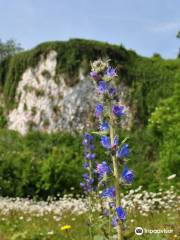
{"points": [[107, 207]]}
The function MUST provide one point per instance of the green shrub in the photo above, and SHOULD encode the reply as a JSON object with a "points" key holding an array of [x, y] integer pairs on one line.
{"points": [[165, 126], [39, 164]]}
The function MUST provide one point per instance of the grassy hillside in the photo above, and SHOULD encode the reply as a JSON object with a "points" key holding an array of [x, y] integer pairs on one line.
{"points": [[154, 92]]}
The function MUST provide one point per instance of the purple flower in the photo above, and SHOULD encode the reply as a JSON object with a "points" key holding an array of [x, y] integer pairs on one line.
{"points": [[87, 185], [85, 165], [90, 156], [118, 110], [86, 176], [105, 141], [108, 193], [102, 87], [99, 110], [114, 221], [111, 72], [120, 213], [87, 139], [90, 181], [127, 175], [91, 147], [102, 169], [94, 75], [123, 151], [104, 126], [82, 184], [116, 141], [112, 91]]}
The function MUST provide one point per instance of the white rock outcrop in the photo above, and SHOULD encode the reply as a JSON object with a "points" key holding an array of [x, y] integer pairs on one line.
{"points": [[46, 103]]}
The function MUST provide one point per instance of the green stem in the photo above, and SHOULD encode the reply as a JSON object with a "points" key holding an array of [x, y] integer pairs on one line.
{"points": [[116, 177], [109, 227], [90, 205]]}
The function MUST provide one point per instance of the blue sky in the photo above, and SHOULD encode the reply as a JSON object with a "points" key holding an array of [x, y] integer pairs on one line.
{"points": [[147, 26]]}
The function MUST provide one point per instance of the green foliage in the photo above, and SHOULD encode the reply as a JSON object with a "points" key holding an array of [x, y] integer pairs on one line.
{"points": [[151, 80], [61, 170], [165, 126], [39, 164]]}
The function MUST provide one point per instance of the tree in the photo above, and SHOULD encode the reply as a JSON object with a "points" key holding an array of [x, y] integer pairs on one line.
{"points": [[9, 48], [178, 36]]}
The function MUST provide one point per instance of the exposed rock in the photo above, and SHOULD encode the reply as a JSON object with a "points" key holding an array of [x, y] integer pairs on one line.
{"points": [[47, 103]]}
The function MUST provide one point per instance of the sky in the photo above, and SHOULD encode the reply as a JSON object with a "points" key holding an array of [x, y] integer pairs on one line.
{"points": [[146, 26]]}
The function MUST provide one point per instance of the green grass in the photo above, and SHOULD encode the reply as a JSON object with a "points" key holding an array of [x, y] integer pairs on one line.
{"points": [[20, 226]]}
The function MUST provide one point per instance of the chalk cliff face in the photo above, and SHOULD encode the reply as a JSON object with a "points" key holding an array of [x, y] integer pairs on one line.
{"points": [[46, 103]]}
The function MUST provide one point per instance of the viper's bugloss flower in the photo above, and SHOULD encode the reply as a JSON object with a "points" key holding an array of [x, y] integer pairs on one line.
{"points": [[112, 91], [108, 193], [82, 184], [114, 221], [120, 213], [102, 169], [116, 141], [85, 165], [90, 156], [91, 147], [88, 181], [118, 110], [104, 126], [102, 87], [111, 72], [99, 110], [127, 175], [91, 181], [87, 186], [106, 142], [86, 176], [87, 139], [123, 151], [94, 75]]}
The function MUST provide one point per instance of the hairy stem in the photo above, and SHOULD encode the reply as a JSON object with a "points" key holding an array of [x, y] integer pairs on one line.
{"points": [[116, 178], [90, 205]]}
